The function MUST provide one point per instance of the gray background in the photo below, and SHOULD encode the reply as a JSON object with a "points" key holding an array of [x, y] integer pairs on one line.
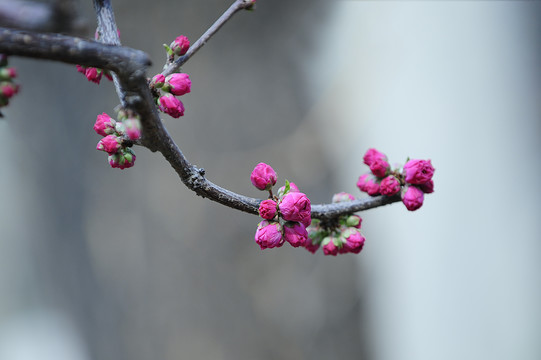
{"points": [[99, 263]]}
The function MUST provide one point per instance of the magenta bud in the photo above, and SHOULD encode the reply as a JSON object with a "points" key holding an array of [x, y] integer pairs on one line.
{"points": [[354, 221], [8, 89], [171, 105], [180, 45], [178, 84], [380, 167], [354, 241], [295, 233], [93, 74], [263, 177], [371, 155], [7, 74], [412, 197], [295, 206], [269, 234], [123, 159], [330, 246], [104, 125], [389, 186], [427, 187], [418, 171], [369, 184], [110, 144], [292, 188], [267, 209], [157, 81], [132, 128]]}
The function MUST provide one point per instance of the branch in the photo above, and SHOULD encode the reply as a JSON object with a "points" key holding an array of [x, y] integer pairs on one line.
{"points": [[228, 14]]}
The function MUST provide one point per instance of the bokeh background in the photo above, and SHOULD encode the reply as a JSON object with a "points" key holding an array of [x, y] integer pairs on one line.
{"points": [[97, 263]]}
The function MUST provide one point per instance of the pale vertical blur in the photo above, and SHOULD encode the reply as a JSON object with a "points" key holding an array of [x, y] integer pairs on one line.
{"points": [[105, 264], [459, 83]]}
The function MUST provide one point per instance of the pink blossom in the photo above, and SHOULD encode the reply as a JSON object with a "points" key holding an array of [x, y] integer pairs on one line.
{"points": [[329, 247], [342, 197], [361, 183], [178, 84], [354, 221], [263, 177], [427, 187], [269, 234], [12, 72], [412, 197], [295, 206], [81, 69], [180, 46], [132, 128], [123, 159], [389, 186], [93, 74], [418, 171], [311, 245], [104, 125], [292, 188], [171, 105], [295, 233], [354, 241], [7, 90], [267, 209], [369, 184], [110, 144], [371, 155], [7, 73], [380, 167], [158, 81]]}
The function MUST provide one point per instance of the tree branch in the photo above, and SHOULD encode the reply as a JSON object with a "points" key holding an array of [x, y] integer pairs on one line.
{"points": [[228, 14]]}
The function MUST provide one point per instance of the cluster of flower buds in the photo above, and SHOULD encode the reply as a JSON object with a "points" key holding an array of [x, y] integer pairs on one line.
{"points": [[7, 87], [336, 236], [165, 89], [286, 216], [118, 137], [94, 74], [412, 181]]}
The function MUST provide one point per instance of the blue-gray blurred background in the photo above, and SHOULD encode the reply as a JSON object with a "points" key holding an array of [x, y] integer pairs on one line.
{"points": [[98, 263]]}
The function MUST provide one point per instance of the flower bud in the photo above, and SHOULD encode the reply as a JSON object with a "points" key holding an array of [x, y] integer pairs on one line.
{"points": [[123, 159], [329, 246], [178, 84], [8, 89], [157, 81], [292, 188], [81, 69], [380, 167], [295, 206], [412, 197], [418, 171], [389, 186], [369, 184], [267, 209], [269, 234], [93, 74], [354, 241], [180, 45], [132, 128], [7, 74], [354, 221], [263, 177], [295, 233], [104, 125], [110, 144], [315, 236], [342, 197], [371, 155], [171, 105]]}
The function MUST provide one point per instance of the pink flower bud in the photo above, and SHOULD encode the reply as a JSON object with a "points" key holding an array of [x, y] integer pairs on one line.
{"points": [[8, 89], [295, 206], [282, 189], [329, 246], [81, 69], [269, 234], [380, 167], [371, 155], [389, 186], [315, 236], [412, 197], [180, 46], [7, 74], [354, 241], [93, 74], [263, 177], [267, 209], [104, 125], [427, 187], [123, 159], [418, 171], [311, 245], [171, 105], [295, 233], [369, 184], [157, 81], [342, 197], [132, 128], [110, 144], [178, 84]]}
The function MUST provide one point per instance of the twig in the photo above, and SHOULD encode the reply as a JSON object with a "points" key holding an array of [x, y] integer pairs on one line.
{"points": [[228, 14]]}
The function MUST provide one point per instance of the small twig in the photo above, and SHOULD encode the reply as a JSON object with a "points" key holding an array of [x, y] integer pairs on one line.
{"points": [[228, 14]]}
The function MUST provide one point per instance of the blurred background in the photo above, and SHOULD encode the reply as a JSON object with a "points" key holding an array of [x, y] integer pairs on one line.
{"points": [[98, 263]]}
